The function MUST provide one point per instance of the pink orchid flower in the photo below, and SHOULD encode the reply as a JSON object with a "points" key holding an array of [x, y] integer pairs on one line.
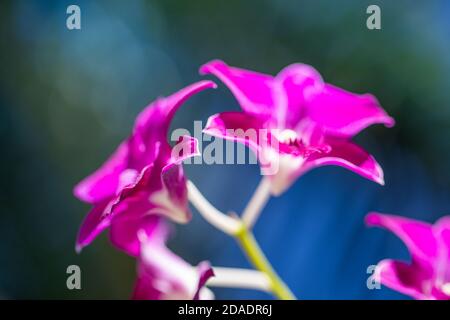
{"points": [[144, 176], [306, 122], [428, 274], [162, 275]]}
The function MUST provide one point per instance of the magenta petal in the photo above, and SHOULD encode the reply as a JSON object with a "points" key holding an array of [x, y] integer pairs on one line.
{"points": [[400, 277], [186, 148], [442, 233], [172, 200], [343, 113], [205, 273], [175, 100], [156, 192], [429, 270], [144, 290], [236, 126], [104, 182], [123, 234], [125, 230], [252, 90], [350, 156], [155, 118], [152, 124], [296, 85], [418, 236], [442, 230], [135, 182], [164, 275], [93, 224]]}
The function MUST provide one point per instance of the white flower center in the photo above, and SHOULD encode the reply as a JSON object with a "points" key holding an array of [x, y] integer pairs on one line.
{"points": [[166, 206], [446, 288], [287, 135]]}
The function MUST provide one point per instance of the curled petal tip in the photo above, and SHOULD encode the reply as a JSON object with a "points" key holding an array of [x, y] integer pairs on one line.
{"points": [[390, 122], [75, 191], [373, 218], [210, 127], [208, 84], [380, 181], [78, 248], [209, 122], [378, 174], [79, 191], [206, 68], [445, 220]]}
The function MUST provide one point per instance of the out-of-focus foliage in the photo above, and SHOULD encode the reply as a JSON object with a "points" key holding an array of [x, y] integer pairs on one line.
{"points": [[68, 97]]}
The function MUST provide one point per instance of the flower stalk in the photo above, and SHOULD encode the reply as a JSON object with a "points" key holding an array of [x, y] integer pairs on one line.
{"points": [[240, 230], [257, 258], [257, 203], [240, 278], [221, 221]]}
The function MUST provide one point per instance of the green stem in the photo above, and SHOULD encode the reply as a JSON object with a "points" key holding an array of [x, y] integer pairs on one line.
{"points": [[255, 255]]}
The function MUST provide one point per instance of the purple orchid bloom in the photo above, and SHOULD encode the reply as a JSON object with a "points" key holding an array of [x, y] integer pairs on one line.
{"points": [[306, 123], [144, 176], [162, 275], [428, 274]]}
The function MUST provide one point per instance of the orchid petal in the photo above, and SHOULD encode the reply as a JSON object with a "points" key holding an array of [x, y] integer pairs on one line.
{"points": [[442, 230], [149, 195], [442, 233], [418, 236], [164, 275], [155, 119], [252, 90], [400, 277], [342, 113], [428, 273], [103, 183], [156, 192], [186, 147], [236, 126], [152, 124], [93, 224], [133, 175], [125, 231], [205, 273], [347, 155], [294, 87], [99, 218]]}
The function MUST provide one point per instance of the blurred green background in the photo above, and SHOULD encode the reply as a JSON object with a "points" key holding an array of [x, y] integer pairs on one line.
{"points": [[67, 98]]}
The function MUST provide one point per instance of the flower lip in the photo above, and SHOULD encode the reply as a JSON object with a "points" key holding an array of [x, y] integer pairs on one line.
{"points": [[290, 142], [288, 136]]}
